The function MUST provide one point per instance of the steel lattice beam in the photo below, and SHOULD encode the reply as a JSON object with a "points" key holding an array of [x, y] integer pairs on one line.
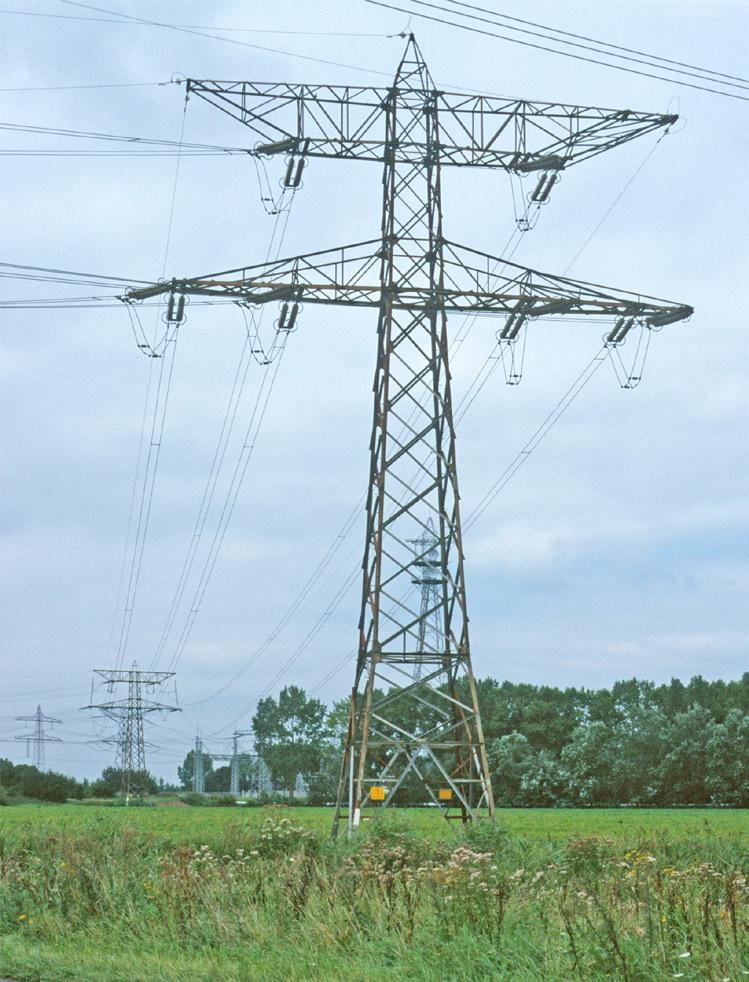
{"points": [[475, 130]]}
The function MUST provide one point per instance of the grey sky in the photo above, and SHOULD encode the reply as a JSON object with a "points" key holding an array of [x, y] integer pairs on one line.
{"points": [[619, 549]]}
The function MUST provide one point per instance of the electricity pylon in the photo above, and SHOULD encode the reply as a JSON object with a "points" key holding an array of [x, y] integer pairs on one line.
{"points": [[129, 715], [198, 767], [430, 581], [414, 711], [36, 740], [234, 762]]}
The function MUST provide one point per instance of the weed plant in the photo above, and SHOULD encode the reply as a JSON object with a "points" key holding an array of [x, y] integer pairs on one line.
{"points": [[275, 900]]}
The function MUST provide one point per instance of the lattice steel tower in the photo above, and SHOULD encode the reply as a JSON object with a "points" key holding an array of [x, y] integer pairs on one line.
{"points": [[198, 767], [129, 715], [35, 741], [414, 709]]}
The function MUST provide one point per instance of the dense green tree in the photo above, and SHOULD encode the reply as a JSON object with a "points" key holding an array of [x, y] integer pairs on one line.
{"points": [[109, 785], [45, 785], [588, 762], [683, 772], [545, 782], [727, 778], [219, 779], [510, 758], [186, 769], [290, 734], [639, 743], [29, 782]]}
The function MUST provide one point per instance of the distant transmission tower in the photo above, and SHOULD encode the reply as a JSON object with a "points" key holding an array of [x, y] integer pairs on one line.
{"points": [[235, 759], [129, 714], [35, 741], [198, 767], [430, 581], [414, 711]]}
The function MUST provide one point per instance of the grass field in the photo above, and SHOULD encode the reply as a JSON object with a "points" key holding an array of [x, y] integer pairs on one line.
{"points": [[167, 893], [178, 825]]}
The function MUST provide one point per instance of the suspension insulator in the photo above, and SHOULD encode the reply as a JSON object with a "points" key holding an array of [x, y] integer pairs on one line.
{"points": [[298, 173], [512, 326], [622, 326], [547, 162], [544, 186], [551, 181], [277, 293], [287, 320], [660, 320], [280, 146], [538, 187], [560, 306], [289, 169], [175, 308]]}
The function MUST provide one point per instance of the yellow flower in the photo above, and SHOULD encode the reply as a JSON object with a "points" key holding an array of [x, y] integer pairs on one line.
{"points": [[30, 921], [21, 917]]}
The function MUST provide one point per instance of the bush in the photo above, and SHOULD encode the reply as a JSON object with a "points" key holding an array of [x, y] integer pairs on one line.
{"points": [[223, 801], [194, 798]]}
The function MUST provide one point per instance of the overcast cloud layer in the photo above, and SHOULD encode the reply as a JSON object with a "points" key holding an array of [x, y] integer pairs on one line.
{"points": [[619, 549]]}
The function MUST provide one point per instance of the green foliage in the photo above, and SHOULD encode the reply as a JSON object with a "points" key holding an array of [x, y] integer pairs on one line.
{"points": [[268, 896], [110, 783], [218, 779], [636, 743], [727, 778], [194, 798], [26, 781], [290, 735], [224, 801], [186, 770]]}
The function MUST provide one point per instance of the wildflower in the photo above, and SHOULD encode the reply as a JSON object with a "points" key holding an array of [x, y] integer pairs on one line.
{"points": [[21, 917]]}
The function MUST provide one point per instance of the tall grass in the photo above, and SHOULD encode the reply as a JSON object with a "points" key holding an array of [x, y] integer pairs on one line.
{"points": [[281, 901]]}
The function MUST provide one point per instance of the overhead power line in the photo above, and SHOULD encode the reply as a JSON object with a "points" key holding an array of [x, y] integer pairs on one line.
{"points": [[87, 85], [118, 138], [607, 44], [541, 47], [235, 41], [196, 27]]}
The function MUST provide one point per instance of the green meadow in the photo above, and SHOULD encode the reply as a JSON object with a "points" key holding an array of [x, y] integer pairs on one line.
{"points": [[177, 824], [166, 893]]}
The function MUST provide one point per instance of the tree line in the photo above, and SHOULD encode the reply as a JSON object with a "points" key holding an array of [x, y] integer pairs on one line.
{"points": [[20, 781], [635, 743]]}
